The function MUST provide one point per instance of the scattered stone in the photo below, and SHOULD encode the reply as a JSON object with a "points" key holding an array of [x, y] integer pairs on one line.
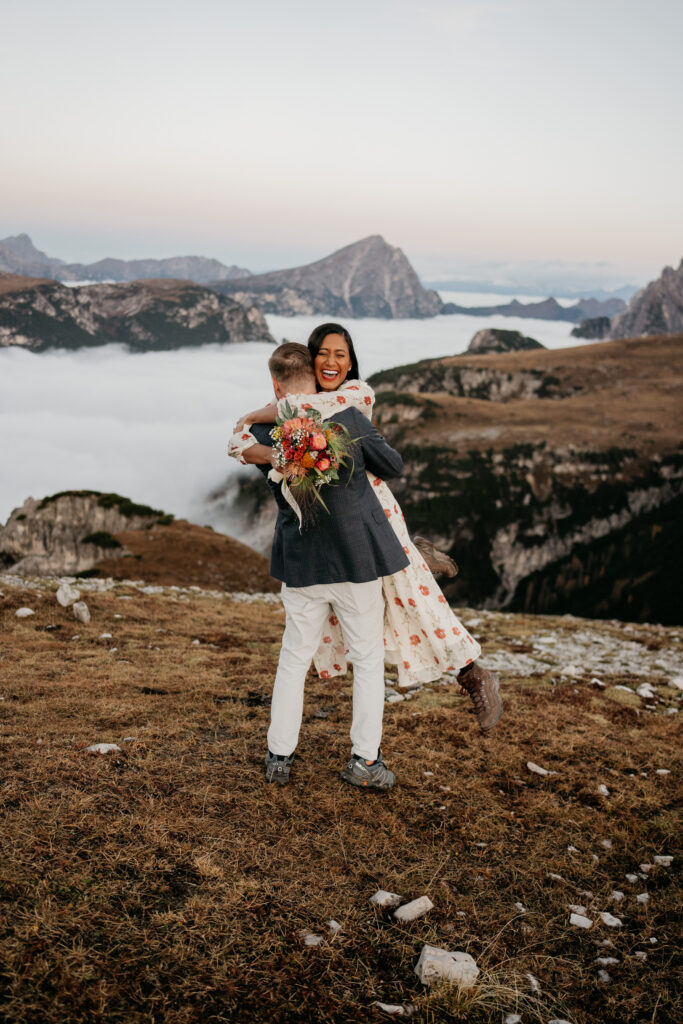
{"points": [[66, 595], [414, 909], [521, 908], [643, 897], [572, 849], [427, 775], [334, 927], [595, 858], [663, 861], [603, 790], [444, 965], [129, 739], [631, 878], [640, 954], [24, 613], [598, 682], [617, 895], [396, 1009], [646, 868], [653, 941], [513, 1018], [645, 690], [445, 789], [609, 920], [604, 977], [579, 921], [607, 843], [606, 961], [559, 1020], [309, 939], [537, 770], [576, 908], [105, 636], [662, 771], [103, 748], [382, 898], [81, 612], [607, 943], [534, 983], [677, 682], [555, 878]]}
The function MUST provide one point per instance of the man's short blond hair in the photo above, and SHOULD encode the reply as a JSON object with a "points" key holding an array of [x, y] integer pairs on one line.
{"points": [[291, 363]]}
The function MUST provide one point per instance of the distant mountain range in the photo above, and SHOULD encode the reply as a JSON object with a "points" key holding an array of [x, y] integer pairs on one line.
{"points": [[18, 255], [547, 309], [367, 278]]}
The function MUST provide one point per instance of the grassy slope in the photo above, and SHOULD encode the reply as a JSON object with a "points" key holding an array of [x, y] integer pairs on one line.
{"points": [[167, 883]]}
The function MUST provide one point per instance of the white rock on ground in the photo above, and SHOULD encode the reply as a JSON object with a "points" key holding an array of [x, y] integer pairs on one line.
{"points": [[617, 895], [534, 983], [414, 909], [105, 636], [67, 594], [396, 1009], [445, 965], [334, 927], [662, 771], [663, 860], [579, 921], [640, 954], [646, 868], [606, 961], [642, 897], [631, 878], [607, 843], [24, 613], [645, 690], [382, 898], [604, 977], [559, 1020], [603, 790], [81, 612], [103, 748], [309, 939], [537, 770], [513, 1018], [576, 908], [521, 908], [610, 920]]}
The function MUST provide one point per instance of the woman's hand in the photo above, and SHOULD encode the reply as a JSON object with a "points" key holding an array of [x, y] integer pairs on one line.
{"points": [[265, 415]]}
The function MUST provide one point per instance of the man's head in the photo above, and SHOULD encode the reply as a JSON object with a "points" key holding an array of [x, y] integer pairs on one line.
{"points": [[291, 368]]}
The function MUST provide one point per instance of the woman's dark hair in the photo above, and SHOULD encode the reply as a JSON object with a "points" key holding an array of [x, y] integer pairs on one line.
{"points": [[318, 335]]}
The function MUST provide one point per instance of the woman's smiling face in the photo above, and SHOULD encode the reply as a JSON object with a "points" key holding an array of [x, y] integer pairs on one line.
{"points": [[332, 362]]}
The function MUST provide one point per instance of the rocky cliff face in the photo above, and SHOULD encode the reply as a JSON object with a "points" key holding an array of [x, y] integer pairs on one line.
{"points": [[18, 255], [657, 309], [68, 533], [368, 278], [554, 478], [145, 315], [593, 329], [493, 339]]}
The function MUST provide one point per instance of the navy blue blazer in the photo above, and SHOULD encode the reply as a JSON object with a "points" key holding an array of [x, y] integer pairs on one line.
{"points": [[354, 542]]}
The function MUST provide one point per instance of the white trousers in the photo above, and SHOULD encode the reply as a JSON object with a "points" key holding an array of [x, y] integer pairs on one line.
{"points": [[360, 610]]}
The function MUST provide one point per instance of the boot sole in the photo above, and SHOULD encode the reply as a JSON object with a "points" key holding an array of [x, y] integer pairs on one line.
{"points": [[496, 688]]}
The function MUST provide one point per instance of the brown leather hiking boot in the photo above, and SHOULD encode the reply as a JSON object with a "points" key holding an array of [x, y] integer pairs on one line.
{"points": [[482, 688], [435, 559]]}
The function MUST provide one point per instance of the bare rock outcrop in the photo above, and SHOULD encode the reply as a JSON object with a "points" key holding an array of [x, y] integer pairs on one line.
{"points": [[493, 339], [151, 315], [367, 278], [68, 533], [657, 309]]}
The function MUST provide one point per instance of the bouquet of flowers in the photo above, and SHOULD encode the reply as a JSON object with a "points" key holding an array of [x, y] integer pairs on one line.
{"points": [[309, 453]]}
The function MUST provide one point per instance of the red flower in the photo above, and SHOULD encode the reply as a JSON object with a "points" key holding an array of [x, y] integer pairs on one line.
{"points": [[442, 599], [245, 437], [341, 400], [387, 513], [318, 442], [456, 631], [333, 620], [327, 639], [441, 633], [406, 664], [324, 674], [415, 640], [376, 482], [399, 602], [411, 603], [424, 590], [337, 668], [367, 399]]}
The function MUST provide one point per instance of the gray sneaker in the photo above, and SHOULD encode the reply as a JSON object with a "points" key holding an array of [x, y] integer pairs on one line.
{"points": [[368, 776], [277, 767]]}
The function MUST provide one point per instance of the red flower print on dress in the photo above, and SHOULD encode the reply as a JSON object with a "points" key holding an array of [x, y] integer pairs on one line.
{"points": [[436, 659], [424, 632], [377, 481], [327, 639], [367, 399], [415, 640], [456, 631], [387, 513], [424, 590], [406, 550], [469, 661], [353, 387], [399, 602], [441, 633], [245, 437], [341, 400], [333, 620], [406, 664], [306, 405], [337, 668], [442, 599], [324, 674], [411, 603]]}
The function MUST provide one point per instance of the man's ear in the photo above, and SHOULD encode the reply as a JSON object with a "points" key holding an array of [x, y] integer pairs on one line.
{"points": [[279, 393]]}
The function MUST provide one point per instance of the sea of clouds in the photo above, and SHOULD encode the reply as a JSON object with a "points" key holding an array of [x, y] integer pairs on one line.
{"points": [[154, 426]]}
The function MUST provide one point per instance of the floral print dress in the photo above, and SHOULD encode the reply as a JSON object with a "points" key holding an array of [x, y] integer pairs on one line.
{"points": [[422, 636]]}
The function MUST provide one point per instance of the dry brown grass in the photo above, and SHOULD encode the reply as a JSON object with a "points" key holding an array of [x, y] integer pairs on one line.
{"points": [[168, 883]]}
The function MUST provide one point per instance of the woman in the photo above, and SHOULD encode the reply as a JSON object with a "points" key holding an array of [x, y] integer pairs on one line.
{"points": [[422, 636]]}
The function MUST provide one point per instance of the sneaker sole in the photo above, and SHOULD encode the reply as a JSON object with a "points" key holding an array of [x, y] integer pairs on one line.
{"points": [[362, 784]]}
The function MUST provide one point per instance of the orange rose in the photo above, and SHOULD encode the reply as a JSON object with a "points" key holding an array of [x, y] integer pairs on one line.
{"points": [[323, 464], [318, 442]]}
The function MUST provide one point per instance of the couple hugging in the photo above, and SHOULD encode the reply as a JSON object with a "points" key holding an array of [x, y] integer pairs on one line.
{"points": [[353, 581]]}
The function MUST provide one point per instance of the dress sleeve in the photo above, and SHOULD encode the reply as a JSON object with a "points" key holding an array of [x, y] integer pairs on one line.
{"points": [[352, 393], [239, 442]]}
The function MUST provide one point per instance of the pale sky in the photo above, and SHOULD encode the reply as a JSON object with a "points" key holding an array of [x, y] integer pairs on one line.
{"points": [[270, 133]]}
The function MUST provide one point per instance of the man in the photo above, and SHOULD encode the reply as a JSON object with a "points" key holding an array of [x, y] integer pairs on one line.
{"points": [[338, 561]]}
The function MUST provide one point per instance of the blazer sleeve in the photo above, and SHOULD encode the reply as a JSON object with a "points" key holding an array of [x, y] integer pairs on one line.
{"points": [[380, 458]]}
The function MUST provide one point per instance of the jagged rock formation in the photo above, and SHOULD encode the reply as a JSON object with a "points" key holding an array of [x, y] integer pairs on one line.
{"points": [[657, 309], [493, 339], [145, 315], [593, 329], [554, 478], [18, 255], [367, 278], [68, 533], [548, 309]]}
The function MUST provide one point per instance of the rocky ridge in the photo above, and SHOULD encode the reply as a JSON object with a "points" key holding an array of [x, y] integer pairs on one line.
{"points": [[367, 278], [18, 255], [657, 309], [147, 316], [547, 309], [493, 339]]}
